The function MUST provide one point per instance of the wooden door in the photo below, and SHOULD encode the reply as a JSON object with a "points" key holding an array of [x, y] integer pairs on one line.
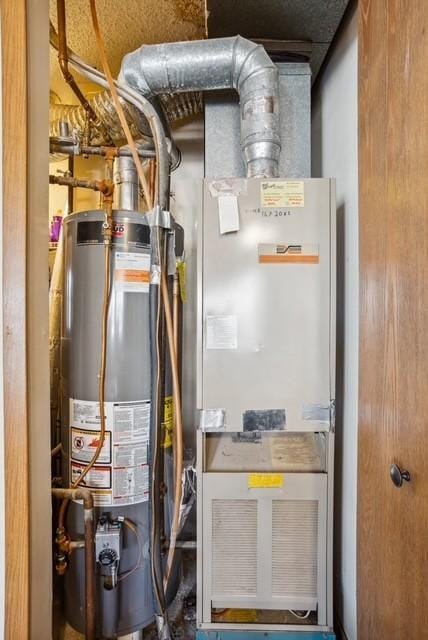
{"points": [[393, 401]]}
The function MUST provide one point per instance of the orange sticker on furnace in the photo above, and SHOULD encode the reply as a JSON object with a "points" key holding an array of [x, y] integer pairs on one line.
{"points": [[288, 253]]}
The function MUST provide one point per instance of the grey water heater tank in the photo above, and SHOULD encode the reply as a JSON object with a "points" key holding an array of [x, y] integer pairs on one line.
{"points": [[120, 479]]}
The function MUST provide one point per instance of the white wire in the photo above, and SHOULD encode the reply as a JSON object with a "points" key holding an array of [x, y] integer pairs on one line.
{"points": [[297, 615]]}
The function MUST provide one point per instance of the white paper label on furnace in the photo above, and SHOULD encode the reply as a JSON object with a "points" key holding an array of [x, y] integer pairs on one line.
{"points": [[221, 332], [228, 214]]}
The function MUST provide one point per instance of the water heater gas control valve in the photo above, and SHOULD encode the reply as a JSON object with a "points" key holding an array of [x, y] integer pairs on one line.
{"points": [[108, 545]]}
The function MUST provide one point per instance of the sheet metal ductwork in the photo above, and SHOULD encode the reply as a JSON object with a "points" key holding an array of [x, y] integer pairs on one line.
{"points": [[207, 65]]}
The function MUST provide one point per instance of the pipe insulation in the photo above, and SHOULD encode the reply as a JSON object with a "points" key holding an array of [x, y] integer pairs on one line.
{"points": [[208, 65]]}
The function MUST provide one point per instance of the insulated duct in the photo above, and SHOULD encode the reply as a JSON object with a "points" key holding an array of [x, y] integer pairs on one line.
{"points": [[101, 103], [175, 107], [223, 63]]}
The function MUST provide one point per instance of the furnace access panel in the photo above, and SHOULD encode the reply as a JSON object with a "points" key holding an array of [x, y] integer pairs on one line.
{"points": [[266, 305]]}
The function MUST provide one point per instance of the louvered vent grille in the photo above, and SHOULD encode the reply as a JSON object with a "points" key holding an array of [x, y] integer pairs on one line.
{"points": [[234, 547], [294, 548]]}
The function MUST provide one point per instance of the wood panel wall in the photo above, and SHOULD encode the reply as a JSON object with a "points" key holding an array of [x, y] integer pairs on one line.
{"points": [[393, 387], [25, 156], [14, 173]]}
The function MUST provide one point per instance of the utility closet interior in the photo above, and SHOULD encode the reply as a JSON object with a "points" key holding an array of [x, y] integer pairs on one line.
{"points": [[193, 269]]}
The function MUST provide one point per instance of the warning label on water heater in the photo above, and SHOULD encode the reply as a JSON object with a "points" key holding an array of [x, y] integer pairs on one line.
{"points": [[85, 443], [132, 272], [121, 474]]}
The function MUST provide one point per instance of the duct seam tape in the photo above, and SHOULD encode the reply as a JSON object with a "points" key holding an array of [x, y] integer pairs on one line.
{"points": [[317, 411], [212, 419], [228, 187]]}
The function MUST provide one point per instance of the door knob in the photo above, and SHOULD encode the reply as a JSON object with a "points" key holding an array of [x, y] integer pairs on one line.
{"points": [[398, 476]]}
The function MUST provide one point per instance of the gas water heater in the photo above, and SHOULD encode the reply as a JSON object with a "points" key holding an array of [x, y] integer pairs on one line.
{"points": [[119, 480]]}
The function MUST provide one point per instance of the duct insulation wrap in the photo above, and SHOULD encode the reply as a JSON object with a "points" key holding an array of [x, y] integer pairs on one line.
{"points": [[120, 478]]}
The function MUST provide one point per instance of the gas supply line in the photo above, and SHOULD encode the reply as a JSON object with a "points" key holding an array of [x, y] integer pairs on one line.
{"points": [[65, 546], [106, 187]]}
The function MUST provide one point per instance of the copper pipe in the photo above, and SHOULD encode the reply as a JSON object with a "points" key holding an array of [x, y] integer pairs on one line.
{"points": [[56, 450], [175, 321], [104, 186], [63, 61], [117, 104], [107, 232], [76, 544], [178, 428], [88, 515]]}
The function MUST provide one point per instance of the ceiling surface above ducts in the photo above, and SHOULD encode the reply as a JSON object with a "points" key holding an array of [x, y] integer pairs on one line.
{"points": [[315, 21], [126, 25]]}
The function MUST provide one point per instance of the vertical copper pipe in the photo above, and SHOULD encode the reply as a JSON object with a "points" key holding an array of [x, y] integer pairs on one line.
{"points": [[89, 520], [90, 587], [175, 318], [178, 427], [175, 326], [63, 61]]}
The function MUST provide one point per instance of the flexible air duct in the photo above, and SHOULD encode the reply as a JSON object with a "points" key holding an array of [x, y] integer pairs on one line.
{"points": [[175, 107], [77, 118], [223, 63]]}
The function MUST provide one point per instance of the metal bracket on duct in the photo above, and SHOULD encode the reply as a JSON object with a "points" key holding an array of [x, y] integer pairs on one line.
{"points": [[223, 63]]}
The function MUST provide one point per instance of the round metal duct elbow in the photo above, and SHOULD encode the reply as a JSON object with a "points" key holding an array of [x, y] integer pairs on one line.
{"points": [[222, 63]]}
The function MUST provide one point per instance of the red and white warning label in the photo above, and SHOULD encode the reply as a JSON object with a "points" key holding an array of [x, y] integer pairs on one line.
{"points": [[85, 443], [120, 476]]}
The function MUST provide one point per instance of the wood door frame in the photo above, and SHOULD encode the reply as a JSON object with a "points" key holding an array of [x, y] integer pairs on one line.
{"points": [[16, 433], [25, 77]]}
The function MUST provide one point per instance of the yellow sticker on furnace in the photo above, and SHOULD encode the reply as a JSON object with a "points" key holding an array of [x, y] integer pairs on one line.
{"points": [[282, 193], [265, 480]]}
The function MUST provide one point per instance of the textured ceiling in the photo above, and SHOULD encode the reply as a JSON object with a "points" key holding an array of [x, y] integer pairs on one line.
{"points": [[313, 20], [127, 24]]}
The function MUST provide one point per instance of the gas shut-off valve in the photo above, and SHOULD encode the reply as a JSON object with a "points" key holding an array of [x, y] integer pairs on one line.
{"points": [[108, 545]]}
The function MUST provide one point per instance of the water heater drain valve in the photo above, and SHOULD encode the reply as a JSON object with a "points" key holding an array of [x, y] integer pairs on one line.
{"points": [[108, 545]]}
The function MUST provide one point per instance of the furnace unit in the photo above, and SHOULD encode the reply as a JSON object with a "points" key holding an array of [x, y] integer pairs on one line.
{"points": [[266, 389]]}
